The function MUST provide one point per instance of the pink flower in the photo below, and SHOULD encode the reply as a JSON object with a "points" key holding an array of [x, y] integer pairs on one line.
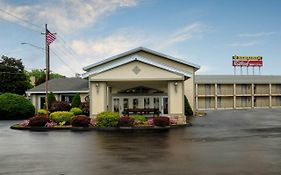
{"points": [[150, 121], [24, 123]]}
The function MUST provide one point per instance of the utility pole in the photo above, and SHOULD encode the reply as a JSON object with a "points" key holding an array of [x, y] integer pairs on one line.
{"points": [[47, 50], [49, 38]]}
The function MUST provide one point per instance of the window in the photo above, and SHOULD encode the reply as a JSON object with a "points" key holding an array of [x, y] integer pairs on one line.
{"points": [[42, 102], [125, 103], [67, 97], [219, 102], [156, 103], [219, 89], [146, 103], [207, 102]]}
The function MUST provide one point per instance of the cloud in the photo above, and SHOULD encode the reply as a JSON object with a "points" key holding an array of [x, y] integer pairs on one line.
{"points": [[115, 43], [260, 34], [245, 44], [186, 33], [64, 15], [205, 69]]}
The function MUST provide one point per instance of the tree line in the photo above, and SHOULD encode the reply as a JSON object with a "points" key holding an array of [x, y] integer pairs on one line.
{"points": [[15, 79]]}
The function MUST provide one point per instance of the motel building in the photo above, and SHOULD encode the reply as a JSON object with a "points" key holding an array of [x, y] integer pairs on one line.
{"points": [[145, 79]]}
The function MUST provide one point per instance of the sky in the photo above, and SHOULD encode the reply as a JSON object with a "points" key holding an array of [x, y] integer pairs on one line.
{"points": [[205, 32]]}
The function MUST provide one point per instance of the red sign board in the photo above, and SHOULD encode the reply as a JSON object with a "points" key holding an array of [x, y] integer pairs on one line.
{"points": [[245, 61]]}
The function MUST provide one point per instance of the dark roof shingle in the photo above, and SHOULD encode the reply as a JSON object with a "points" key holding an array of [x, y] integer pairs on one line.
{"points": [[62, 85]]}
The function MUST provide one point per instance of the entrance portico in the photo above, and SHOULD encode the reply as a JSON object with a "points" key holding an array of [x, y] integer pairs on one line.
{"points": [[135, 80]]}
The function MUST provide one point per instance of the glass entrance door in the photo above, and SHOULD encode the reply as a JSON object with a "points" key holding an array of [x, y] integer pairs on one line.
{"points": [[165, 105]]}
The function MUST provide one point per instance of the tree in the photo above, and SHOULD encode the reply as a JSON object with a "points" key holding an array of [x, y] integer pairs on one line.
{"points": [[40, 76], [51, 99], [12, 76], [76, 101], [187, 109]]}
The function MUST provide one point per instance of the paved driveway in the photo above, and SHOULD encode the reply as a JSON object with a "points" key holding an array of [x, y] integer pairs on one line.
{"points": [[223, 142]]}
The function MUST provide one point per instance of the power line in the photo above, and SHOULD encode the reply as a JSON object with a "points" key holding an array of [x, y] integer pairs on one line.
{"points": [[21, 19], [41, 48]]}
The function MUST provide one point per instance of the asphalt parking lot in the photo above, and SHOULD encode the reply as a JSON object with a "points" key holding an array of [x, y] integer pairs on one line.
{"points": [[223, 142]]}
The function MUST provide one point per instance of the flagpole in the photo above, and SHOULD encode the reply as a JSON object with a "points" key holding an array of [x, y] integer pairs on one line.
{"points": [[47, 68]]}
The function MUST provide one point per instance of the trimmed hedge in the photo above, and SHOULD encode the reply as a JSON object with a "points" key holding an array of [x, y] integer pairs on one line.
{"points": [[107, 119], [126, 121], [59, 106], [62, 117], [161, 121], [39, 120], [42, 111], [76, 111], [80, 121], [13, 106], [139, 118]]}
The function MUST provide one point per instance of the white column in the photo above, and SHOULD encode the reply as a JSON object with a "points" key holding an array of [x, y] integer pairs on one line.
{"points": [[98, 97], [176, 97]]}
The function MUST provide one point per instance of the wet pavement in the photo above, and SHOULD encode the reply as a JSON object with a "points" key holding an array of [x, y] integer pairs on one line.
{"points": [[223, 142]]}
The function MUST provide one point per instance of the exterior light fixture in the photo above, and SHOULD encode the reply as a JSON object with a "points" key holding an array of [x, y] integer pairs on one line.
{"points": [[97, 86], [176, 85]]}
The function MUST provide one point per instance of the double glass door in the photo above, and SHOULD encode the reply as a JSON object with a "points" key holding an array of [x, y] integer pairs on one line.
{"points": [[146, 102]]}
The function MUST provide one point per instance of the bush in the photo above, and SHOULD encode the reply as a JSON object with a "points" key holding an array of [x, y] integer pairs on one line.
{"points": [[161, 121], [187, 109], [59, 106], [80, 121], [76, 111], [126, 121], [42, 111], [51, 99], [62, 117], [107, 119], [76, 101], [39, 120], [13, 106], [139, 118], [85, 108]]}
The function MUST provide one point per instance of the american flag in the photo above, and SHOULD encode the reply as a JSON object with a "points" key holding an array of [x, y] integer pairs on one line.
{"points": [[50, 37]]}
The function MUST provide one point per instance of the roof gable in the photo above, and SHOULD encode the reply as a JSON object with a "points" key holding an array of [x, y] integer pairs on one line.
{"points": [[130, 52], [139, 58]]}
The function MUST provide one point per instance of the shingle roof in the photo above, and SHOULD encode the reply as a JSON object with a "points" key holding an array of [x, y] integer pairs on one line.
{"points": [[230, 79], [137, 50], [63, 85]]}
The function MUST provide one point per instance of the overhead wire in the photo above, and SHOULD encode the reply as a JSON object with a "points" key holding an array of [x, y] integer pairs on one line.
{"points": [[38, 27]]}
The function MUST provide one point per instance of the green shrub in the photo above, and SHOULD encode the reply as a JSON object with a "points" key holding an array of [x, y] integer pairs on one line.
{"points": [[107, 119], [140, 118], [13, 106], [61, 117], [76, 101], [51, 99], [42, 111], [76, 111], [59, 106], [80, 121], [187, 109]]}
